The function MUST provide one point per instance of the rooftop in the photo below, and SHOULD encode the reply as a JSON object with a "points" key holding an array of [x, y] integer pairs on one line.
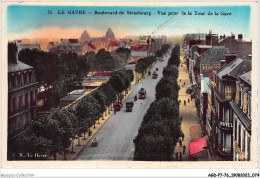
{"points": [[241, 116], [13, 67], [22, 46], [246, 77], [235, 68]]}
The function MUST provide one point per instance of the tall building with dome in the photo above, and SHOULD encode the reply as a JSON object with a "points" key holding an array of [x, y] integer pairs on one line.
{"points": [[107, 42]]}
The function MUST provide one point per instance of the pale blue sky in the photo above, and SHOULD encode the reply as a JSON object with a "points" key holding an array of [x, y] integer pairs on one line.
{"points": [[21, 19]]}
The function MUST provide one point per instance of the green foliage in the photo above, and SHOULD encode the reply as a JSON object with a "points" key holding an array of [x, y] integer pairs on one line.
{"points": [[121, 80], [124, 50], [110, 93], [144, 63], [104, 61], [160, 129], [101, 98], [171, 71], [88, 110], [167, 87], [154, 148], [61, 72], [32, 144], [175, 56]]}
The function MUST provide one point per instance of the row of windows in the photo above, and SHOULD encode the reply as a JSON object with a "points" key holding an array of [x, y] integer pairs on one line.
{"points": [[242, 138], [20, 80], [20, 101]]}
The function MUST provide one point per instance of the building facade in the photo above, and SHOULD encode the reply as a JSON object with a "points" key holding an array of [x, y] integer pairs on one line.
{"points": [[21, 95], [241, 114], [219, 117]]}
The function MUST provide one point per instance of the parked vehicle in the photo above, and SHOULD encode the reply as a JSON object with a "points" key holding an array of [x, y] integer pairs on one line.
{"points": [[142, 93], [155, 75], [117, 106], [94, 142], [129, 106]]}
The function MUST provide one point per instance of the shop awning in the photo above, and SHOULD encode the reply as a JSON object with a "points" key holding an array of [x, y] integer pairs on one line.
{"points": [[197, 145]]}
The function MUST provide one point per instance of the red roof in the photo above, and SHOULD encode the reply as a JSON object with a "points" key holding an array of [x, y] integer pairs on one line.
{"points": [[102, 74], [92, 46], [139, 47], [114, 43], [197, 145], [73, 40]]}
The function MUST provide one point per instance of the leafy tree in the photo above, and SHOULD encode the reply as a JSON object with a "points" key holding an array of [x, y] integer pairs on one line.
{"points": [[89, 57], [88, 110], [110, 93], [158, 53], [174, 60], [33, 144], [125, 51], [104, 61], [154, 148], [101, 98], [171, 71], [167, 87]]}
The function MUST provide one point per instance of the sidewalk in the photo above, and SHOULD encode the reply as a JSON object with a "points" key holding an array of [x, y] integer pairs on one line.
{"points": [[190, 126], [77, 148]]}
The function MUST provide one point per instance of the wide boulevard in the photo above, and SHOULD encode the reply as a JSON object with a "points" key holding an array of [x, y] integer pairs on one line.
{"points": [[115, 137]]}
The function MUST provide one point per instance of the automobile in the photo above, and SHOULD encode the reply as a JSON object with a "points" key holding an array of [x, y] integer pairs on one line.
{"points": [[142, 93], [117, 106], [129, 106], [155, 75], [94, 142]]}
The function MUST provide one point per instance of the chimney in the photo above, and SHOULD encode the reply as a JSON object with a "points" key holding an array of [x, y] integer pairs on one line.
{"points": [[240, 37], [230, 58], [208, 39], [222, 62], [233, 36], [12, 53], [224, 36], [220, 37]]}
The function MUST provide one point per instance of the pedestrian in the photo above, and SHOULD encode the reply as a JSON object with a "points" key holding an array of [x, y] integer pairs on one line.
{"points": [[184, 83], [180, 80], [184, 148], [180, 101], [182, 136], [184, 103], [180, 142], [188, 100], [114, 111], [176, 156], [180, 156]]}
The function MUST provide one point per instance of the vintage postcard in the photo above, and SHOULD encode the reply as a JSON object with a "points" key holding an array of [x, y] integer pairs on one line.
{"points": [[129, 84]]}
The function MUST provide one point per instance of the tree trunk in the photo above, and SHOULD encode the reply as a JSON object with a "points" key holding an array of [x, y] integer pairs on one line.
{"points": [[72, 144], [84, 136], [79, 141], [64, 154]]}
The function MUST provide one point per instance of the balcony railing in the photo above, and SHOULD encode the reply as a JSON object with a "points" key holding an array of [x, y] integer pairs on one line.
{"points": [[224, 96], [224, 150]]}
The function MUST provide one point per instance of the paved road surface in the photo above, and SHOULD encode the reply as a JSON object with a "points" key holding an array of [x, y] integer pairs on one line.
{"points": [[117, 134]]}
